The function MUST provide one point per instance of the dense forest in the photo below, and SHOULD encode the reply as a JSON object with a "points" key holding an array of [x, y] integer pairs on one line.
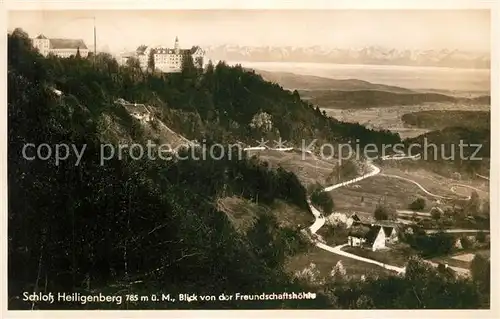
{"points": [[141, 226], [379, 98], [454, 149], [439, 119]]}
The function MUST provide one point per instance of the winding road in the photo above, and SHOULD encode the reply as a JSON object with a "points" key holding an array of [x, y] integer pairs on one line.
{"points": [[338, 250], [421, 187], [374, 170], [483, 177], [320, 221]]}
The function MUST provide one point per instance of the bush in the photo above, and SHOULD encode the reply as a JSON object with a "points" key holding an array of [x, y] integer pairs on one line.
{"points": [[334, 235], [466, 242], [432, 245], [480, 271], [418, 204], [435, 214], [383, 212], [481, 237]]}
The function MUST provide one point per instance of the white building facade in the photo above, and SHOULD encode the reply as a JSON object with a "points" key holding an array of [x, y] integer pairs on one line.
{"points": [[63, 48], [169, 60]]}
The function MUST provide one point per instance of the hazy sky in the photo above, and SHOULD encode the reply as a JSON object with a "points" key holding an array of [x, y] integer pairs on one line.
{"points": [[400, 29]]}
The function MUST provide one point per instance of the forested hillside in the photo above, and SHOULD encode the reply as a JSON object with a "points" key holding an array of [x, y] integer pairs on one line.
{"points": [[369, 98], [90, 227], [142, 226], [438, 119]]}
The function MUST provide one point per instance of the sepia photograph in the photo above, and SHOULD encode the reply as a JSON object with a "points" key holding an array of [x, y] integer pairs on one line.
{"points": [[248, 159]]}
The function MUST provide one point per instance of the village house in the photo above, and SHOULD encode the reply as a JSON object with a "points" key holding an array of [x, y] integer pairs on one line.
{"points": [[376, 235], [139, 111], [166, 60], [370, 237], [63, 48], [359, 219]]}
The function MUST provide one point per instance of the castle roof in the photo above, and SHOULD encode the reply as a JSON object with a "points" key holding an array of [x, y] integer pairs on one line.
{"points": [[141, 49], [67, 44], [41, 36], [363, 219], [161, 50], [173, 51]]}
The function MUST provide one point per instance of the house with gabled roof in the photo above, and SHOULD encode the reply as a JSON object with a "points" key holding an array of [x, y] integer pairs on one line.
{"points": [[359, 219], [365, 231], [373, 237], [63, 48]]}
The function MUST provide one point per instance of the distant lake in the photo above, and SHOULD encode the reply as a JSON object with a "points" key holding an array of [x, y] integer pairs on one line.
{"points": [[411, 77]]}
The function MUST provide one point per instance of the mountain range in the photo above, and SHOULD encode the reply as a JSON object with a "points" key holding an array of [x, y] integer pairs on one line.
{"points": [[367, 55]]}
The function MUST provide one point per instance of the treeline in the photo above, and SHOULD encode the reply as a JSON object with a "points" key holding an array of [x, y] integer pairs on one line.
{"points": [[439, 119], [422, 287], [379, 98]]}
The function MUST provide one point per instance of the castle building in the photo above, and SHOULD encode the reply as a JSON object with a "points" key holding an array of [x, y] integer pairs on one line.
{"points": [[63, 48], [169, 60]]}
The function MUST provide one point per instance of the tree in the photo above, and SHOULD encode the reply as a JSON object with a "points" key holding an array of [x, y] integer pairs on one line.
{"points": [[262, 121], [474, 204], [338, 272], [210, 67], [480, 271], [133, 63], [437, 244], [346, 170], [151, 61], [78, 55], [466, 242], [310, 274], [485, 208], [323, 200], [383, 212], [418, 204], [481, 237], [188, 70], [435, 214]]}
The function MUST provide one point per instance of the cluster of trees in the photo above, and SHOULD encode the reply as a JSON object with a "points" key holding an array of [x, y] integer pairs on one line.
{"points": [[439, 119], [418, 204], [346, 170], [321, 199], [429, 245], [384, 212], [422, 287]]}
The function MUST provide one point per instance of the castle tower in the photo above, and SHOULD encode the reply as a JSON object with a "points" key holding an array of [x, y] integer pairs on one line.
{"points": [[176, 46], [42, 43]]}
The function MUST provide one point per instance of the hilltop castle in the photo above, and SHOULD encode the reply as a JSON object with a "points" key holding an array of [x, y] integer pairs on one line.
{"points": [[165, 59]]}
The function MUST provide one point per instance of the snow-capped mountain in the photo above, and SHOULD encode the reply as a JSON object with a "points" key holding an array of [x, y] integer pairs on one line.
{"points": [[367, 55]]}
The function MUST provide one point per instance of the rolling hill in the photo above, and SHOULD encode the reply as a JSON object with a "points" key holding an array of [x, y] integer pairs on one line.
{"points": [[294, 81]]}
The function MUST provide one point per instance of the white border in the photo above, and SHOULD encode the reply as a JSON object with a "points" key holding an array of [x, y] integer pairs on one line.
{"points": [[260, 4]]}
